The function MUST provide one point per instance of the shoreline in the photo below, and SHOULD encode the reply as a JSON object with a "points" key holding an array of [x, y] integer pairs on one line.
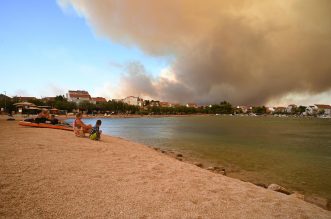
{"points": [[239, 174], [236, 172], [131, 178], [232, 171], [123, 116]]}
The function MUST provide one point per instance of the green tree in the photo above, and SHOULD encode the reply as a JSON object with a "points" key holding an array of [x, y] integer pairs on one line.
{"points": [[37, 102], [6, 103], [86, 106], [259, 110], [65, 105], [301, 109], [60, 98]]}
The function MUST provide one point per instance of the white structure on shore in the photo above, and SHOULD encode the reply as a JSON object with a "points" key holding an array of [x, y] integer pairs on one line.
{"points": [[291, 108], [311, 110], [323, 109], [135, 101], [78, 96]]}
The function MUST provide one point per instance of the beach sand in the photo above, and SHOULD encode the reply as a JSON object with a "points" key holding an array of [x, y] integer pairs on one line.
{"points": [[47, 173]]}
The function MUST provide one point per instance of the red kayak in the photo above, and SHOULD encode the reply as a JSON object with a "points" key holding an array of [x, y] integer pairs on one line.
{"points": [[45, 125]]}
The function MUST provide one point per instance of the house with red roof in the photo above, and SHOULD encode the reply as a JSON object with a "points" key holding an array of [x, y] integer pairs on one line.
{"points": [[96, 100], [78, 96], [323, 109], [165, 104], [280, 109], [26, 99]]}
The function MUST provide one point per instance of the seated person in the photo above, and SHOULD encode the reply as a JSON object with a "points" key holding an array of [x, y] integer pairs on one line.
{"points": [[42, 117], [79, 127], [29, 120], [53, 120], [95, 133]]}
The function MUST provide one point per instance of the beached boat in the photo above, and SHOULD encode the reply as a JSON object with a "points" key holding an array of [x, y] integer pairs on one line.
{"points": [[45, 125]]}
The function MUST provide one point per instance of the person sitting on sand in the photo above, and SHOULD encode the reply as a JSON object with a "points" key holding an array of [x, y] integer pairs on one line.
{"points": [[79, 127], [53, 120], [42, 117], [95, 133]]}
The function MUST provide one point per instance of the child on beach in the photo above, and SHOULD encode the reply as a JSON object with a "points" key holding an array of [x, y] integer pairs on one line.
{"points": [[79, 127], [95, 133], [53, 120], [42, 117]]}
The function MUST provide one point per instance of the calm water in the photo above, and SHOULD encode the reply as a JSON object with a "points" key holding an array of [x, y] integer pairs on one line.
{"points": [[293, 152]]}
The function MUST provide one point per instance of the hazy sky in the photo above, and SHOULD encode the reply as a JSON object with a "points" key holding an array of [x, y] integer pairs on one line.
{"points": [[244, 51]]}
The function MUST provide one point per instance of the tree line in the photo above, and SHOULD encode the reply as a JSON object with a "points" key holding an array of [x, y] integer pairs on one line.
{"points": [[118, 107]]}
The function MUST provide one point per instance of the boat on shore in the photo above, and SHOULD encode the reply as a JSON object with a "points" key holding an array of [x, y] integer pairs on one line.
{"points": [[65, 127]]}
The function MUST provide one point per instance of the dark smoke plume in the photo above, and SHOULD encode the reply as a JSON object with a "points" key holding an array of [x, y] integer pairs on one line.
{"points": [[245, 51]]}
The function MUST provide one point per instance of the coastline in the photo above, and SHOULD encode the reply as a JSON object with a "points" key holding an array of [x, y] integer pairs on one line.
{"points": [[123, 116], [318, 195], [246, 176], [51, 173]]}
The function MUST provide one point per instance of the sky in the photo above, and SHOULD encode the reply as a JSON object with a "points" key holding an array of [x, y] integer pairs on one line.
{"points": [[45, 51], [244, 51]]}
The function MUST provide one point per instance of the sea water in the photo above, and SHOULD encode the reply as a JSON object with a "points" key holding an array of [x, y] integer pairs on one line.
{"points": [[292, 152]]}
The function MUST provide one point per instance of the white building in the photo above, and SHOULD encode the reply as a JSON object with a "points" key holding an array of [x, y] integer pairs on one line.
{"points": [[135, 101], [291, 108], [78, 96], [96, 100], [270, 109], [245, 109], [192, 105], [325, 109], [311, 110]]}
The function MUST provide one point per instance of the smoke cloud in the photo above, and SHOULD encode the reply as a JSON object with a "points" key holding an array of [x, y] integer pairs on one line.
{"points": [[244, 51]]}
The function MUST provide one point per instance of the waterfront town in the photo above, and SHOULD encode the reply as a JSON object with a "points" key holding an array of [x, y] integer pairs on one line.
{"points": [[81, 100]]}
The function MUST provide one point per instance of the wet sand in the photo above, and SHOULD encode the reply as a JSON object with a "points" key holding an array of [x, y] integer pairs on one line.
{"points": [[47, 173]]}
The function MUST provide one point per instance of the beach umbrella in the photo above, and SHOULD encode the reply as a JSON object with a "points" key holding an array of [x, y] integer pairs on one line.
{"points": [[24, 104], [53, 110], [33, 108], [45, 107]]}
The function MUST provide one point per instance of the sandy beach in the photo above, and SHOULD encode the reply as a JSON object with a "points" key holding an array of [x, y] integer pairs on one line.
{"points": [[47, 173]]}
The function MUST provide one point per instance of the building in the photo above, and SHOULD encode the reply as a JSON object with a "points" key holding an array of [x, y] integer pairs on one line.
{"points": [[175, 104], [280, 109], [151, 103], [117, 100], [165, 104], [193, 105], [168, 104], [323, 109], [78, 96], [26, 106], [48, 99], [244, 109], [135, 101], [26, 99], [311, 110], [291, 108], [154, 103], [96, 100], [270, 110]]}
